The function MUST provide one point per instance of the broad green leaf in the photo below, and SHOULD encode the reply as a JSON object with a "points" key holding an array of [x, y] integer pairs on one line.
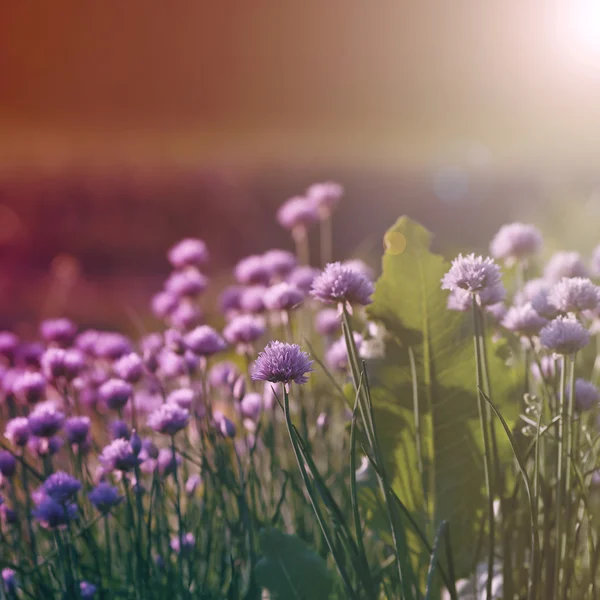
{"points": [[408, 301], [290, 570]]}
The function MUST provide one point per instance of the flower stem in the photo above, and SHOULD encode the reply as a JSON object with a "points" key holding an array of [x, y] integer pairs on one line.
{"points": [[558, 567]]}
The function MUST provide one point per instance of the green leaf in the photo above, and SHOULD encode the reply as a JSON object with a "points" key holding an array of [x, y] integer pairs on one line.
{"points": [[289, 569], [409, 302]]}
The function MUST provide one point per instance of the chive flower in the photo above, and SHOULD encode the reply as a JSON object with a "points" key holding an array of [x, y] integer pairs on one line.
{"points": [[564, 335], [339, 284], [515, 242], [280, 362]]}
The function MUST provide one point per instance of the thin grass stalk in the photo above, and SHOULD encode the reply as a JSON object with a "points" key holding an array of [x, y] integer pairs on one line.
{"points": [[558, 567], [488, 469], [434, 560]]}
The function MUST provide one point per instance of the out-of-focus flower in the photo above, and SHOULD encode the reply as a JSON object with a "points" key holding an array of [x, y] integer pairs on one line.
{"points": [[87, 589], [244, 329], [251, 406], [462, 301], [278, 263], [204, 341], [586, 395], [192, 483], [77, 429], [281, 362], [564, 264], [129, 367], [9, 342], [325, 197], [86, 341], [30, 353], [472, 273], [564, 335], [53, 515], [323, 421], [188, 541], [187, 283], [115, 393], [185, 315], [61, 487], [327, 321], [46, 420], [548, 368], [229, 299], [223, 374], [336, 356], [574, 295], [283, 296], [41, 446], [111, 345], [357, 264], [169, 418], [163, 304], [118, 456], [523, 320], [167, 462], [516, 241], [252, 270], [105, 497], [8, 464], [224, 426], [58, 331], [17, 431], [183, 397], [119, 430], [297, 215], [339, 284], [9, 580], [252, 299], [30, 387], [303, 277], [189, 252]]}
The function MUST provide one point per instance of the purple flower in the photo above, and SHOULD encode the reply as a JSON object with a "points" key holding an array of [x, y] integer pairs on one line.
{"points": [[163, 304], [105, 497], [251, 406], [86, 341], [252, 299], [229, 299], [9, 342], [53, 515], [41, 446], [336, 356], [244, 329], [586, 395], [119, 430], [225, 426], [186, 315], [323, 421], [204, 341], [169, 418], [115, 393], [523, 320], [189, 252], [188, 541], [281, 362], [283, 296], [462, 301], [327, 321], [61, 486], [252, 270], [356, 264], [297, 213], [30, 387], [59, 331], [30, 353], [223, 374], [46, 420], [279, 263], [112, 345], [496, 311], [167, 462], [341, 284], [17, 431], [472, 273], [183, 397], [187, 283], [564, 335], [574, 294], [325, 196], [118, 456], [515, 242], [53, 363], [303, 277], [129, 367], [8, 464], [548, 365], [77, 429], [9, 579], [564, 264], [191, 485], [87, 590]]}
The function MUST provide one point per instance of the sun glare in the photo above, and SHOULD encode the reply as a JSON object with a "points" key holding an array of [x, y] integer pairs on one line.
{"points": [[579, 22]]}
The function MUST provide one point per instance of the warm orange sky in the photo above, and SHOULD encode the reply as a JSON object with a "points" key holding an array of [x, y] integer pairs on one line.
{"points": [[380, 81]]}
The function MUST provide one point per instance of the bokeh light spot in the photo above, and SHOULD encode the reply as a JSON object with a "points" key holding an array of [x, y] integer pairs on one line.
{"points": [[394, 242]]}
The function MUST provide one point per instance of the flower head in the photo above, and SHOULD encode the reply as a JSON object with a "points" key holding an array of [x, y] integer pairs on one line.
{"points": [[52, 514], [252, 270], [336, 356], [185, 315], [182, 397], [223, 374], [252, 299], [283, 296], [302, 277], [129, 367], [77, 429], [187, 283], [17, 431], [188, 541], [9, 580], [586, 395], [523, 320], [229, 299], [516, 241], [163, 304], [225, 426], [327, 321], [30, 387], [472, 273], [325, 196], [110, 344], [297, 213], [574, 294], [8, 463], [169, 418], [189, 252], [244, 329], [9, 342], [61, 486], [339, 284], [119, 456], [564, 335], [46, 420], [59, 331], [87, 589], [204, 341], [281, 362], [105, 497], [564, 264], [278, 263], [115, 393], [251, 406]]}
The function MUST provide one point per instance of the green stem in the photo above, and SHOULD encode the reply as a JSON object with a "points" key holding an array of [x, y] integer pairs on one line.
{"points": [[558, 567]]}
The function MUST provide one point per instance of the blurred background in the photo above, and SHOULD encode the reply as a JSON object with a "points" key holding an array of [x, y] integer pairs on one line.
{"points": [[126, 125]]}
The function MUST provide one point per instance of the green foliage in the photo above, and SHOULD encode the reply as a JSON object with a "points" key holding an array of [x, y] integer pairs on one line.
{"points": [[290, 570], [429, 433]]}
